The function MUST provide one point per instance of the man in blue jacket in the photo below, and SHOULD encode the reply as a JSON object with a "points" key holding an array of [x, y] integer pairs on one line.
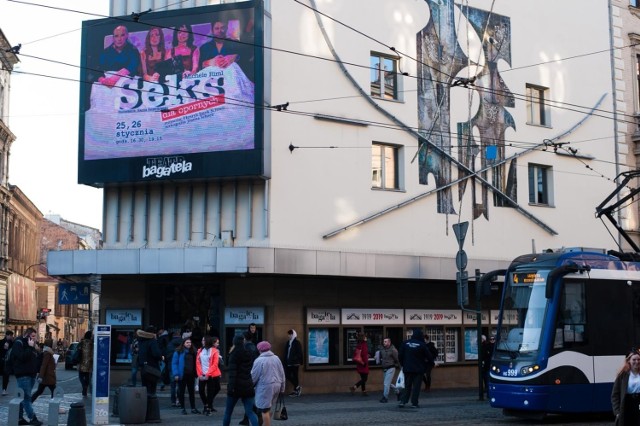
{"points": [[25, 368], [414, 355]]}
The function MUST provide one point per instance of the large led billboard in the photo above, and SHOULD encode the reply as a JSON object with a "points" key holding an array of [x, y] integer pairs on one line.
{"points": [[172, 95]]}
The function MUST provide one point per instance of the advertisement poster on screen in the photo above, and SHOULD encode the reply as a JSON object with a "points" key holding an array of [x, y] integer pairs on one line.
{"points": [[172, 95]]}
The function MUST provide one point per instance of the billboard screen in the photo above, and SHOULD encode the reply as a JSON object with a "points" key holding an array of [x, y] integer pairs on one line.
{"points": [[172, 95]]}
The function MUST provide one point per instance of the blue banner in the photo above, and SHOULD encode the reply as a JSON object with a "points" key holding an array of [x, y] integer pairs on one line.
{"points": [[73, 294]]}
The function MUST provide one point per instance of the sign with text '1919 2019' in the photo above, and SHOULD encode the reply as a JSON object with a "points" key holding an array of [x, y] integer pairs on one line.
{"points": [[73, 293]]}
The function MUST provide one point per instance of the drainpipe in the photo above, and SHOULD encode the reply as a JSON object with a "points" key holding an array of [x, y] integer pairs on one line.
{"points": [[614, 105]]}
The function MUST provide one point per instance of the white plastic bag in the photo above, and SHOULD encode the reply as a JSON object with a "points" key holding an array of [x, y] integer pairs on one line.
{"points": [[400, 381]]}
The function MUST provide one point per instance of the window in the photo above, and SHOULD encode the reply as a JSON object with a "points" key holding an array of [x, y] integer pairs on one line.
{"points": [[572, 317], [637, 81], [537, 106], [384, 76], [384, 166], [540, 185]]}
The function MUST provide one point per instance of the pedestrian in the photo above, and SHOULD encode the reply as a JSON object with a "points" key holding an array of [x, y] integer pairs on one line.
{"points": [[414, 355], [269, 380], [170, 350], [430, 363], [389, 361], [163, 341], [293, 360], [5, 345], [134, 362], [253, 333], [485, 360], [84, 354], [253, 349], [208, 369], [240, 384], [361, 358], [183, 367], [625, 396], [23, 363], [149, 354], [47, 373]]}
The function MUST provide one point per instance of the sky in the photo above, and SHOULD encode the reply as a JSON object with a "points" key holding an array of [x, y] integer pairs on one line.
{"points": [[43, 111]]}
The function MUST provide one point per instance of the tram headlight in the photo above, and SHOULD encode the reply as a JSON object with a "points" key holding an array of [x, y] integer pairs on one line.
{"points": [[529, 369], [495, 369]]}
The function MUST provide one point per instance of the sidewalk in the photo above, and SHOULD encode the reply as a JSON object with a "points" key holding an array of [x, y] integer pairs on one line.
{"points": [[451, 407]]}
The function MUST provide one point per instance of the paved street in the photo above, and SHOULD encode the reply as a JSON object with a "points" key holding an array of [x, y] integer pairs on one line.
{"points": [[441, 407]]}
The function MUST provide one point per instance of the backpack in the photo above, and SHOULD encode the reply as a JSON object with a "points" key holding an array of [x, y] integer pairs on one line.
{"points": [[9, 359], [433, 350]]}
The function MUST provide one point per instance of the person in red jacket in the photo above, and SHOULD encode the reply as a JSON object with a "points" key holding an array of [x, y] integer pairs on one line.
{"points": [[362, 364], [208, 369]]}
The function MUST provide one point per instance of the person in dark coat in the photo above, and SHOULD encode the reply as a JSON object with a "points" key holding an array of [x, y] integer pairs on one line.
{"points": [[5, 345], [414, 355], [625, 395], [292, 361], [47, 375], [148, 354], [172, 345], [25, 368], [240, 383], [183, 367], [84, 356]]}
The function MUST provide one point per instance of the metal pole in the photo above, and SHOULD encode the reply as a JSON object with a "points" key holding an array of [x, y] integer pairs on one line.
{"points": [[479, 334]]}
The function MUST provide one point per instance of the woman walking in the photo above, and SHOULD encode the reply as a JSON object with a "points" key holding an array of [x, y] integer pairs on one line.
{"points": [[85, 361], [207, 367], [240, 385], [268, 377], [625, 396], [183, 369], [361, 358], [47, 374]]}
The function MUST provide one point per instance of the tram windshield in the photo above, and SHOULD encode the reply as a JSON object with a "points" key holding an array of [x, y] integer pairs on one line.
{"points": [[523, 313]]}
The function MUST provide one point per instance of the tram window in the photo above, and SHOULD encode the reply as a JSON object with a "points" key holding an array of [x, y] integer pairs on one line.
{"points": [[572, 317]]}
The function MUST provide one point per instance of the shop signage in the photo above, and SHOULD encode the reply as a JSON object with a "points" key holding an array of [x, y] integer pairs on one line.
{"points": [[243, 315], [372, 316], [323, 316], [470, 318], [509, 317], [120, 317], [433, 316]]}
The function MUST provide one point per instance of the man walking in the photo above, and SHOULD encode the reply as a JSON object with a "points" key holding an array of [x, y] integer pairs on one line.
{"points": [[389, 361], [414, 355], [292, 361], [25, 368], [5, 345]]}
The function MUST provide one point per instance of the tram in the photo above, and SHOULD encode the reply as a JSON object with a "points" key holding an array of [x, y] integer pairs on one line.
{"points": [[567, 319]]}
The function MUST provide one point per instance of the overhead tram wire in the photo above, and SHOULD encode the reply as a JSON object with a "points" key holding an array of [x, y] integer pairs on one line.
{"points": [[550, 103], [367, 67]]}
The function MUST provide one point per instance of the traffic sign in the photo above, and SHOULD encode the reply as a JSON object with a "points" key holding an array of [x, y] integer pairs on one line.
{"points": [[73, 293], [461, 260], [460, 229]]}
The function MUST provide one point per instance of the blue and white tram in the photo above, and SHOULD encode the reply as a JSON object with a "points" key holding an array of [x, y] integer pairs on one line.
{"points": [[567, 318]]}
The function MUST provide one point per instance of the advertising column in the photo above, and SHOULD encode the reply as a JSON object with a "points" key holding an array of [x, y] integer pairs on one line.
{"points": [[100, 379]]}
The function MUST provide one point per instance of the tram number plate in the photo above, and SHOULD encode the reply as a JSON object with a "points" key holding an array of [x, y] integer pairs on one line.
{"points": [[512, 372]]}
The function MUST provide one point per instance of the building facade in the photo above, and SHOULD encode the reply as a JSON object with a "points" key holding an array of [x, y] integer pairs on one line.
{"points": [[381, 131]]}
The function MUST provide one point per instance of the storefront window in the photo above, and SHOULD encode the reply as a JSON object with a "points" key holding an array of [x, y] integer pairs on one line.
{"points": [[323, 346]]}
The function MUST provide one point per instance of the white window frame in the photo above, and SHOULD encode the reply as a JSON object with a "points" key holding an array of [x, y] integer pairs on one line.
{"points": [[380, 169], [377, 74], [540, 178], [538, 111]]}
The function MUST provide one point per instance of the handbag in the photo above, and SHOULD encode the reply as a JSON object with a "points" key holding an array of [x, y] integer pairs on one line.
{"points": [[151, 371], [280, 412], [357, 356]]}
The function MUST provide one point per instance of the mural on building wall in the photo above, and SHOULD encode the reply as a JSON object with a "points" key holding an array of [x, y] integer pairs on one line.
{"points": [[441, 59]]}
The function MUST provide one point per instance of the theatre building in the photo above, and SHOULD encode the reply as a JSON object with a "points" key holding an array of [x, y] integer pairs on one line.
{"points": [[323, 170]]}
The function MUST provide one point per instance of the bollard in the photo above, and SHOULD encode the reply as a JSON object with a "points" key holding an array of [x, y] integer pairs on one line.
{"points": [[153, 410], [14, 408], [54, 407], [116, 412], [77, 415]]}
